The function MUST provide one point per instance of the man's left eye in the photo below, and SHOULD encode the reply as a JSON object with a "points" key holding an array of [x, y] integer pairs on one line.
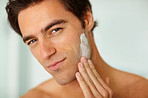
{"points": [[56, 30]]}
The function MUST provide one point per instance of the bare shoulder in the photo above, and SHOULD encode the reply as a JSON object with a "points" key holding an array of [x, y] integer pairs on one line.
{"points": [[131, 86], [140, 88], [38, 92]]}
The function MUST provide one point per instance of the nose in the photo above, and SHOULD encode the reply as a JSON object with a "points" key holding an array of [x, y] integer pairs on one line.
{"points": [[47, 49]]}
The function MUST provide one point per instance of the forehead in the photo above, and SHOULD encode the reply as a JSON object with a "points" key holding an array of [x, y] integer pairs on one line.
{"points": [[40, 14]]}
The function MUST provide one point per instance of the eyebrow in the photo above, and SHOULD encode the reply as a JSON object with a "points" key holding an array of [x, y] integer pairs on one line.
{"points": [[53, 23]]}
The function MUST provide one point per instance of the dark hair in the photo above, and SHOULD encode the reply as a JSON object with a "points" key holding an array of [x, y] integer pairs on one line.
{"points": [[77, 7]]}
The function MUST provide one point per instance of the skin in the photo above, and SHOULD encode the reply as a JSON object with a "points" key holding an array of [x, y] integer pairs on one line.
{"points": [[76, 77]]}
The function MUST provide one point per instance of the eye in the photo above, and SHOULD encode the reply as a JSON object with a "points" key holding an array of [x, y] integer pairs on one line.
{"points": [[31, 42], [56, 30]]}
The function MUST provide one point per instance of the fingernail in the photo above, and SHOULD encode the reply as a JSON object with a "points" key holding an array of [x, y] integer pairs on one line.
{"points": [[77, 74], [80, 64], [90, 62], [83, 59]]}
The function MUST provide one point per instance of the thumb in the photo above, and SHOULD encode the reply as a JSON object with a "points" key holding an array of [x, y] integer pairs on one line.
{"points": [[107, 80]]}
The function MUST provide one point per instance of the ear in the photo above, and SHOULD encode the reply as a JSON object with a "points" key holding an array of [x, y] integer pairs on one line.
{"points": [[89, 21]]}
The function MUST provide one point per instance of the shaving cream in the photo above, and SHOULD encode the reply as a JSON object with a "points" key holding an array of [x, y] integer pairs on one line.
{"points": [[84, 47]]}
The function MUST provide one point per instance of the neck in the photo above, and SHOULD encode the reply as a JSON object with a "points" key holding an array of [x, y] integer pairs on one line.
{"points": [[102, 67]]}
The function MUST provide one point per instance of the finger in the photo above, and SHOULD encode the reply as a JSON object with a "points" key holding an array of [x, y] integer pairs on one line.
{"points": [[93, 77], [88, 80], [85, 89], [99, 78]]}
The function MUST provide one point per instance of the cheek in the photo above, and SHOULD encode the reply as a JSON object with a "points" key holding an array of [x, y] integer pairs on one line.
{"points": [[68, 39], [36, 54], [69, 43]]}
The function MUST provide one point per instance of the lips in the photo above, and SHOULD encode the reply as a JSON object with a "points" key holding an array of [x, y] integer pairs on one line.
{"points": [[56, 65]]}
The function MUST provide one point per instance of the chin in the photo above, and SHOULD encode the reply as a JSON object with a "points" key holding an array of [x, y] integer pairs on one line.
{"points": [[68, 78], [66, 73], [64, 82]]}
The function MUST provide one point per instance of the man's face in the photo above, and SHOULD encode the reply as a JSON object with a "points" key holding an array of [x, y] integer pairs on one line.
{"points": [[53, 35]]}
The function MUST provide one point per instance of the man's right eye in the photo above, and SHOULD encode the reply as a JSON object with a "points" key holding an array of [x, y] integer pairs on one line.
{"points": [[31, 42]]}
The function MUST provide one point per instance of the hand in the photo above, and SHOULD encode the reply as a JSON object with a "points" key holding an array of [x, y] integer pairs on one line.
{"points": [[90, 81]]}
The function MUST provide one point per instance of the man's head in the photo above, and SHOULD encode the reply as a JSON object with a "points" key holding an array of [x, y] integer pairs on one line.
{"points": [[52, 30]]}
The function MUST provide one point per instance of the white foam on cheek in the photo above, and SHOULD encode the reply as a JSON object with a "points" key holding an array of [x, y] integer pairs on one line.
{"points": [[84, 47]]}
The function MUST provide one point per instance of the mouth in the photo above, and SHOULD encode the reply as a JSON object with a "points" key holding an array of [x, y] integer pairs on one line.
{"points": [[56, 65]]}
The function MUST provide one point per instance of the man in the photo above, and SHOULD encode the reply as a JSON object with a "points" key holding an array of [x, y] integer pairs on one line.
{"points": [[58, 32]]}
